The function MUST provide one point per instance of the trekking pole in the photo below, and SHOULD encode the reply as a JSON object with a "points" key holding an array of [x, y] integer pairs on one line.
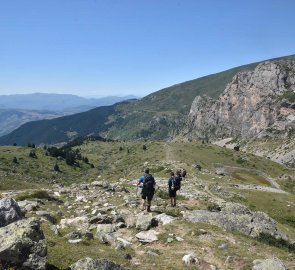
{"points": [[136, 197]]}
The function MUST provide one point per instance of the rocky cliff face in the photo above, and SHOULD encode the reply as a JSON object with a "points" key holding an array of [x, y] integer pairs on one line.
{"points": [[255, 103]]}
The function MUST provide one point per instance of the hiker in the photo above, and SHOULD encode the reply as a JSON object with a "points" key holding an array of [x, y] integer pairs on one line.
{"points": [[178, 179], [148, 190], [172, 189]]}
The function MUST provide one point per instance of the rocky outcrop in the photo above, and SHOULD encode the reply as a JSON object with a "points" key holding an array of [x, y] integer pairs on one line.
{"points": [[269, 264], [9, 211], [96, 264], [237, 217], [23, 245], [255, 103]]}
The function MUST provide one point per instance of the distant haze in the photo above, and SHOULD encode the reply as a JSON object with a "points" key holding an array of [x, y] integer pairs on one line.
{"points": [[56, 102]]}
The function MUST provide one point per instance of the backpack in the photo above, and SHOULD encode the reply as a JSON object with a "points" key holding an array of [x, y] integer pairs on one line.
{"points": [[148, 182], [177, 180], [172, 183]]}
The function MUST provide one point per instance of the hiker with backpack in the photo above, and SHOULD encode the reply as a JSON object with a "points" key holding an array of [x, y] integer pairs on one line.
{"points": [[174, 184], [172, 190], [148, 190]]}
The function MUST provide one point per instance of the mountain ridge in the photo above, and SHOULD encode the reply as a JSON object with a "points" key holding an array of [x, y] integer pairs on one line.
{"points": [[160, 115]]}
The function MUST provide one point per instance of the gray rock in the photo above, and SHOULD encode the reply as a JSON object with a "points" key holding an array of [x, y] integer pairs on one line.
{"points": [[268, 264], [28, 206], [145, 222], [95, 264], [147, 236], [220, 171], [23, 245], [104, 232], [9, 211], [74, 241], [249, 106], [128, 217], [164, 218], [48, 216], [237, 217]]}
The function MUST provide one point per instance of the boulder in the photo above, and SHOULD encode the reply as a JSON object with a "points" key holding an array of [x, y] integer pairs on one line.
{"points": [[77, 222], [147, 236], [189, 259], [28, 206], [23, 245], [237, 217], [268, 264], [96, 264], [145, 222], [220, 171], [164, 218], [9, 211], [105, 233]]}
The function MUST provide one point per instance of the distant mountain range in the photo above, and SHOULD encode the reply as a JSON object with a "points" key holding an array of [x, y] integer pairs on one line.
{"points": [[161, 115], [56, 102], [16, 110]]}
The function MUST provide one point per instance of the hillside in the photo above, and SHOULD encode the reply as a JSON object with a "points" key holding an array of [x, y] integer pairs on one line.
{"points": [[161, 115], [10, 119], [95, 212], [60, 129]]}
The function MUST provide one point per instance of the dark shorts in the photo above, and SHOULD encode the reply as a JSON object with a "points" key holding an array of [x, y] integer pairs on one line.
{"points": [[147, 194], [172, 193]]}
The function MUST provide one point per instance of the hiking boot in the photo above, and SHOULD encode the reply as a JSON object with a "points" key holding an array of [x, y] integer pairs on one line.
{"points": [[149, 209]]}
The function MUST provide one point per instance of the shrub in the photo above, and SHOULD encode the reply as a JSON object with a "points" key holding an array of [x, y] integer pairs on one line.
{"points": [[56, 168], [32, 154], [213, 207], [38, 194], [162, 194], [280, 243]]}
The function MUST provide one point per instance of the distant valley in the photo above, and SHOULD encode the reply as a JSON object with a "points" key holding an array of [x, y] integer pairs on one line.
{"points": [[16, 110], [246, 103]]}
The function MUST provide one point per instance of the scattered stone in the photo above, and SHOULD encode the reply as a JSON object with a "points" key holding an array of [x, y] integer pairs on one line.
{"points": [[55, 229], [179, 239], [74, 241], [145, 222], [220, 171], [124, 242], [25, 248], [164, 218], [268, 264], [147, 236], [48, 216], [170, 240], [9, 211], [104, 233], [28, 206], [77, 222], [96, 264], [151, 253], [189, 259], [223, 246]]}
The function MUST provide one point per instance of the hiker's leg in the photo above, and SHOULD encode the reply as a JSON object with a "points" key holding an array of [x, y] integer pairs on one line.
{"points": [[143, 204], [171, 201], [149, 202], [174, 201]]}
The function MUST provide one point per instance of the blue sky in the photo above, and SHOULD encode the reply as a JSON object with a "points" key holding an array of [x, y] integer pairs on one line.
{"points": [[120, 47]]}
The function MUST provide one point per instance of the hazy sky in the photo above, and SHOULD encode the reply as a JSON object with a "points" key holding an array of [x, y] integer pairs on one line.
{"points": [[120, 47]]}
